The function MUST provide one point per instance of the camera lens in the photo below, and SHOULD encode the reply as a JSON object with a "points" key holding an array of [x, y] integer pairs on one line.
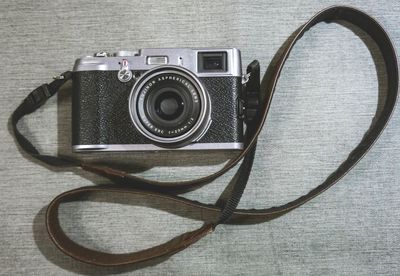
{"points": [[170, 106]]}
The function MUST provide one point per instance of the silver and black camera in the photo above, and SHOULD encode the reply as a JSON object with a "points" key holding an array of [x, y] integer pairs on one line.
{"points": [[157, 99]]}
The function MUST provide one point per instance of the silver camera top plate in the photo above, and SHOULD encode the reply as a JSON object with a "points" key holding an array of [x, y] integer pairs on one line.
{"points": [[146, 59]]}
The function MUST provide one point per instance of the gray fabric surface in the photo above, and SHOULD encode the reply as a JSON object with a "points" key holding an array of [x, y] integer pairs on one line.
{"points": [[324, 102]]}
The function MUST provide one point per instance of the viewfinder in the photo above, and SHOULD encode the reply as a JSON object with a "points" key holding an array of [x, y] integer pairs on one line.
{"points": [[212, 62]]}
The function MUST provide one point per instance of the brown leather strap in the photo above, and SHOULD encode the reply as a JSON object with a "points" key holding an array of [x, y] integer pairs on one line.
{"points": [[95, 257], [228, 214]]}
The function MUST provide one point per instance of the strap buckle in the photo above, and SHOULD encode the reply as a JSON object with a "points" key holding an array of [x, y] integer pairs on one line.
{"points": [[253, 96], [38, 97]]}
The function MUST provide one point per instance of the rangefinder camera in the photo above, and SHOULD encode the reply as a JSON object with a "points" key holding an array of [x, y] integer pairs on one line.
{"points": [[157, 99]]}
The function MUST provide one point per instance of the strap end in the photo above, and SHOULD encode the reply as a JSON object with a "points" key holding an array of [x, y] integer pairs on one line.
{"points": [[37, 97]]}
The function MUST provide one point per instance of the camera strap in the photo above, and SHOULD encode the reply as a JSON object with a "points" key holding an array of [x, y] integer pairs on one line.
{"points": [[212, 215]]}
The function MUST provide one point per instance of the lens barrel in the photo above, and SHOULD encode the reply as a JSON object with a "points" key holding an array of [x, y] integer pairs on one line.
{"points": [[170, 106]]}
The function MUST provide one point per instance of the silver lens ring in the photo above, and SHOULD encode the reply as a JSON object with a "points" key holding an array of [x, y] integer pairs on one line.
{"points": [[184, 135]]}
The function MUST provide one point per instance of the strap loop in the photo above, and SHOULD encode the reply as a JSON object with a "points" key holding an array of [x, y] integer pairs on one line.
{"points": [[90, 256]]}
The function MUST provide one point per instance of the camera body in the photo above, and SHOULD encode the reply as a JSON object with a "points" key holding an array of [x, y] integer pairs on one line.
{"points": [[157, 99]]}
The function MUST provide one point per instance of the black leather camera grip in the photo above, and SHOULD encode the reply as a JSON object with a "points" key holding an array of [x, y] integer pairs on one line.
{"points": [[132, 185], [101, 117]]}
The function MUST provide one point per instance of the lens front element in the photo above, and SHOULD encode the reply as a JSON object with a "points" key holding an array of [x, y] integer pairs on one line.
{"points": [[169, 105]]}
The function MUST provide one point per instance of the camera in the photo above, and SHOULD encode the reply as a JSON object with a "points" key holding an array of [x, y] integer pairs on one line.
{"points": [[157, 99]]}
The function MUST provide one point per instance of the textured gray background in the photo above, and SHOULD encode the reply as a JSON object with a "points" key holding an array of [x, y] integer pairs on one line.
{"points": [[325, 100]]}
